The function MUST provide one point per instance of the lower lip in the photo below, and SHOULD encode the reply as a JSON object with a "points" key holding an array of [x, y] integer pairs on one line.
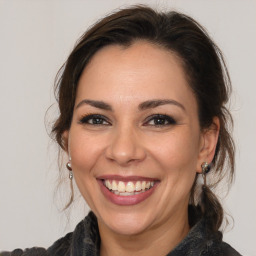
{"points": [[126, 200]]}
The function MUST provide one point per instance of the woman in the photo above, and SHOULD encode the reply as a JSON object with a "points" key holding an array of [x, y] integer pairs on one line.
{"points": [[142, 117]]}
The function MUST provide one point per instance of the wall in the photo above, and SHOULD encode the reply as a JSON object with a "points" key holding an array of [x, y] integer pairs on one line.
{"points": [[35, 38]]}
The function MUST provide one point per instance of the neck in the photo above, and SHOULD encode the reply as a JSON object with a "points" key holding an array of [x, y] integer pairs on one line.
{"points": [[159, 240]]}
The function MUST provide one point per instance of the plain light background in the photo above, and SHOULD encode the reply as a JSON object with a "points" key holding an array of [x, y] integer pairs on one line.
{"points": [[36, 36]]}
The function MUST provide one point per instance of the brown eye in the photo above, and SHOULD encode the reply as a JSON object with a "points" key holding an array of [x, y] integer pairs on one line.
{"points": [[160, 120], [94, 119]]}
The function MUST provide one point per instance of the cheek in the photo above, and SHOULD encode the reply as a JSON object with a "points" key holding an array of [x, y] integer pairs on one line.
{"points": [[179, 161], [177, 158], [177, 150], [85, 150]]}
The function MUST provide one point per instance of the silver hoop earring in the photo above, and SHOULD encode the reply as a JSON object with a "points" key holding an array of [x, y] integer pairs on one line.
{"points": [[68, 165], [205, 169]]}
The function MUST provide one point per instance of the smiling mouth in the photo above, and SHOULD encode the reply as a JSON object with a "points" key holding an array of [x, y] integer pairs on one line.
{"points": [[128, 188]]}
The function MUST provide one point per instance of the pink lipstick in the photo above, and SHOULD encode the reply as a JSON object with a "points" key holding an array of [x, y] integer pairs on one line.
{"points": [[127, 191]]}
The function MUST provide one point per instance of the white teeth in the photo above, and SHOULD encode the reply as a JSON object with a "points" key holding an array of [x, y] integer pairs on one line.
{"points": [[143, 185], [121, 186], [128, 188], [108, 184], [138, 186], [114, 185], [126, 193]]}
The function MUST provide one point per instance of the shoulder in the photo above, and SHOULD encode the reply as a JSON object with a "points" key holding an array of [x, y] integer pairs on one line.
{"points": [[84, 236], [227, 250], [35, 251], [202, 241], [60, 247]]}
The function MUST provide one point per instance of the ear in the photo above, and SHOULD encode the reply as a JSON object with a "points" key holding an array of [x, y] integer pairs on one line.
{"points": [[65, 135], [208, 143]]}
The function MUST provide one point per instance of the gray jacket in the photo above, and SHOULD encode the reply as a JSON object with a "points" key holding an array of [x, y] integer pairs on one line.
{"points": [[85, 241]]}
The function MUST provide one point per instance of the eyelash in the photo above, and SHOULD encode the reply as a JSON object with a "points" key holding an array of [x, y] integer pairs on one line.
{"points": [[97, 119], [85, 119], [162, 118]]}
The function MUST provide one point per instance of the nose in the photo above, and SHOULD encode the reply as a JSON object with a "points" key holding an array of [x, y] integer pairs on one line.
{"points": [[125, 147]]}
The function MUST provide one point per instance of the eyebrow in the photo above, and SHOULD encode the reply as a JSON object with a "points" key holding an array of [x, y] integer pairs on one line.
{"points": [[96, 104], [155, 103], [142, 106]]}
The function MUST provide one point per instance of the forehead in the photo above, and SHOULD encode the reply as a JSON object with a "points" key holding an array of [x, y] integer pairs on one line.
{"points": [[138, 72]]}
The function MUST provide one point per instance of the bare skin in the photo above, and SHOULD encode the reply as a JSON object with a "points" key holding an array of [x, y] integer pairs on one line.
{"points": [[135, 115]]}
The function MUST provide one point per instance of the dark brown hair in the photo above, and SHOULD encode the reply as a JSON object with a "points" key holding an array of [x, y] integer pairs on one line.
{"points": [[206, 73]]}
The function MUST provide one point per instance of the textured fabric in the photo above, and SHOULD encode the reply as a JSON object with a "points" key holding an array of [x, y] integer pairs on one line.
{"points": [[199, 242], [85, 241]]}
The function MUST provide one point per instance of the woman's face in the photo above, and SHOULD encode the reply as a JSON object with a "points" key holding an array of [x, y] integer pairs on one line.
{"points": [[135, 140]]}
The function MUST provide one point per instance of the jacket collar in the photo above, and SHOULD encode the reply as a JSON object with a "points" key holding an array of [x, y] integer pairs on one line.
{"points": [[86, 240]]}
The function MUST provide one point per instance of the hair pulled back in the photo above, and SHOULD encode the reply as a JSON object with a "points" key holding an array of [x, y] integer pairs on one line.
{"points": [[204, 67]]}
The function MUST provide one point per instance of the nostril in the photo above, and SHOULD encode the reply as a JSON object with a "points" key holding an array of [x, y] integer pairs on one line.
{"points": [[125, 153]]}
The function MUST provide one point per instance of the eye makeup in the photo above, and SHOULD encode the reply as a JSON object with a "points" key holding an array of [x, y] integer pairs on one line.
{"points": [[94, 119], [159, 120]]}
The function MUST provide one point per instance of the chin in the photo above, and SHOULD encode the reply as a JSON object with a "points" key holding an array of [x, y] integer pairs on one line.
{"points": [[129, 227], [127, 223]]}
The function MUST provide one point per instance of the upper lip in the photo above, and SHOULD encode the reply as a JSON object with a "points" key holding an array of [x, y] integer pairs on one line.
{"points": [[125, 178]]}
